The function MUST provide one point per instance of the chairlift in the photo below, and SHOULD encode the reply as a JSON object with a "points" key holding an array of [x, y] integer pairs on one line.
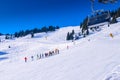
{"points": [[107, 1], [99, 19]]}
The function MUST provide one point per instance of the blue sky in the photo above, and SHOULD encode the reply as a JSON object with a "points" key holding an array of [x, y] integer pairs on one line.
{"points": [[18, 15]]}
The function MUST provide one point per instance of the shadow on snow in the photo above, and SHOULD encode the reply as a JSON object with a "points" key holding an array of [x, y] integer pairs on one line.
{"points": [[3, 58], [3, 53]]}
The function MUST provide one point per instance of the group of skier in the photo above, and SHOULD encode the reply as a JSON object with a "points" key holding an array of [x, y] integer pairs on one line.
{"points": [[44, 55]]}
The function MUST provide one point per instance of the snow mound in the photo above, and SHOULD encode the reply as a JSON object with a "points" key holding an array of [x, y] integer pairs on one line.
{"points": [[114, 74]]}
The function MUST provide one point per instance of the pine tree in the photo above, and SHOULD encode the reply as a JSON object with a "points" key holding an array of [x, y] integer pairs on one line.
{"points": [[27, 32], [7, 36], [71, 36], [32, 34], [118, 12], [57, 27], [85, 27], [35, 30], [44, 29], [1, 34], [68, 36], [21, 33], [51, 28], [81, 25], [114, 19], [73, 32], [11, 36], [16, 34]]}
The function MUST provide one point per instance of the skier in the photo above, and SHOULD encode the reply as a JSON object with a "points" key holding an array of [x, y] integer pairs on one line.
{"points": [[42, 56], [111, 35], [108, 24], [50, 53], [38, 57], [88, 39], [9, 46], [67, 47], [25, 59], [55, 51], [46, 54], [32, 58], [58, 51]]}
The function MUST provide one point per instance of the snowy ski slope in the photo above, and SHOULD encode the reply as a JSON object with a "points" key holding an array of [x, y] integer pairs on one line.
{"points": [[96, 57]]}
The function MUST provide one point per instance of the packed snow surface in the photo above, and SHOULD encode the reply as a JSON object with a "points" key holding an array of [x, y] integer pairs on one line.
{"points": [[95, 57]]}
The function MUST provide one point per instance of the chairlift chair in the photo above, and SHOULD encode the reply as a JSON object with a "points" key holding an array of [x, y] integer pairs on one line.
{"points": [[107, 1], [99, 19]]}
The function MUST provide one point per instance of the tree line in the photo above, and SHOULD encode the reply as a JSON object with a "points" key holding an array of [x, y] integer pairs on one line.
{"points": [[35, 30], [23, 33], [1, 34]]}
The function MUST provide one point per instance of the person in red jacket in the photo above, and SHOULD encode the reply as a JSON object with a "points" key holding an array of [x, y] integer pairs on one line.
{"points": [[25, 59]]}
